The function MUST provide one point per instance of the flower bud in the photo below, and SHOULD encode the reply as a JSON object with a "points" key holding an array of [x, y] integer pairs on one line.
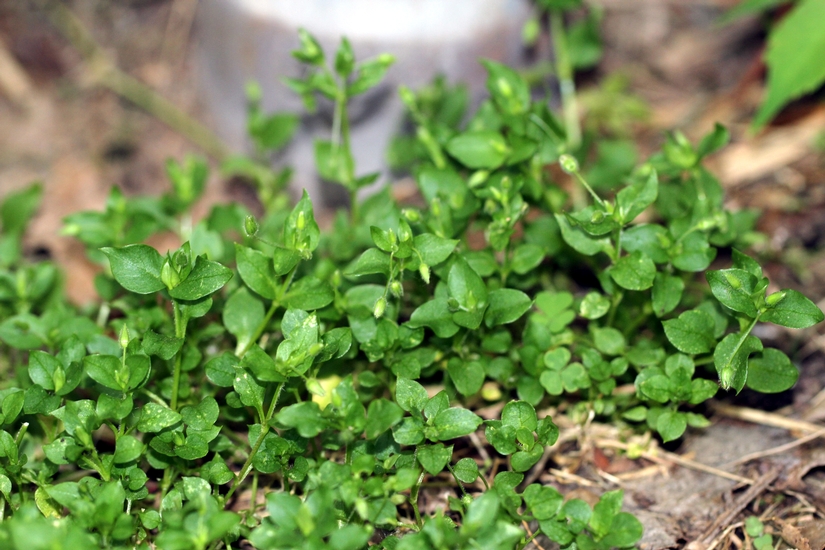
{"points": [[169, 276], [59, 378], [124, 337], [477, 178], [397, 289], [726, 376], [314, 387], [733, 281], [775, 298], [315, 349], [380, 307], [250, 226], [335, 280], [83, 437], [301, 222], [411, 215], [569, 164], [424, 271]]}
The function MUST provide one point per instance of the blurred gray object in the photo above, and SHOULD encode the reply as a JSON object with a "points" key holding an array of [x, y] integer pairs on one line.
{"points": [[242, 40]]}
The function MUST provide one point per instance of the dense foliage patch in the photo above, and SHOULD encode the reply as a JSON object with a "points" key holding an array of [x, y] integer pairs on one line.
{"points": [[334, 374]]}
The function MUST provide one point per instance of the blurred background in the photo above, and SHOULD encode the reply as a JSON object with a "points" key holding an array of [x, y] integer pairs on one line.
{"points": [[95, 93]]}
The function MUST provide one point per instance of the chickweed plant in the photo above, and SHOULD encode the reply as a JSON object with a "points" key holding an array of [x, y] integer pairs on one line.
{"points": [[271, 385]]}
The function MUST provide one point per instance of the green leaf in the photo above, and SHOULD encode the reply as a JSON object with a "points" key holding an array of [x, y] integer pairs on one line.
{"points": [[791, 309], [543, 502], [136, 267], [467, 376], [713, 141], [480, 149], [733, 288], [433, 249], [731, 359], [771, 372], [506, 305], [220, 370], [154, 418], [18, 208], [481, 514], [301, 232], [381, 416], [260, 364], [305, 417], [161, 345], [104, 370], [257, 271], [625, 531], [436, 315], [242, 314], [205, 278], [580, 241], [594, 305], [794, 58], [650, 238], [522, 461], [519, 414], [693, 253], [250, 392], [509, 90], [634, 272], [308, 294], [410, 395], [434, 458], [526, 257], [333, 162], [127, 449], [691, 332], [455, 422], [633, 199], [466, 470], [201, 416], [666, 293], [609, 505], [369, 262], [609, 340], [469, 290], [42, 367], [671, 425], [12, 405]]}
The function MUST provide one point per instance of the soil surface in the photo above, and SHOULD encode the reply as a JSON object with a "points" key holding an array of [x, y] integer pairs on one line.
{"points": [[64, 127]]}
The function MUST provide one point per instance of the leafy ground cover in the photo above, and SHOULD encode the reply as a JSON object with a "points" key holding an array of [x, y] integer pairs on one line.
{"points": [[339, 374]]}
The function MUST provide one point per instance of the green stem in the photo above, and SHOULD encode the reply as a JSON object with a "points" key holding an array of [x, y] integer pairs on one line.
{"points": [[617, 299], [259, 330], [180, 332], [618, 252], [586, 185], [414, 500], [567, 86], [739, 344], [264, 430], [279, 296]]}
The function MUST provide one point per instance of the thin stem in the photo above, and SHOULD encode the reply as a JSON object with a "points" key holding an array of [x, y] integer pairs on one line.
{"points": [[567, 87], [586, 185], [264, 430], [259, 330], [414, 500], [180, 332]]}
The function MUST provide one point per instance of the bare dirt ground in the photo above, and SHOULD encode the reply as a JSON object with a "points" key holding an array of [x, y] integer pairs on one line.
{"points": [[62, 127]]}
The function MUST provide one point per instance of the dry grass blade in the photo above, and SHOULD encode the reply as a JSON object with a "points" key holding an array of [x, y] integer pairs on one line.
{"points": [[766, 418]]}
